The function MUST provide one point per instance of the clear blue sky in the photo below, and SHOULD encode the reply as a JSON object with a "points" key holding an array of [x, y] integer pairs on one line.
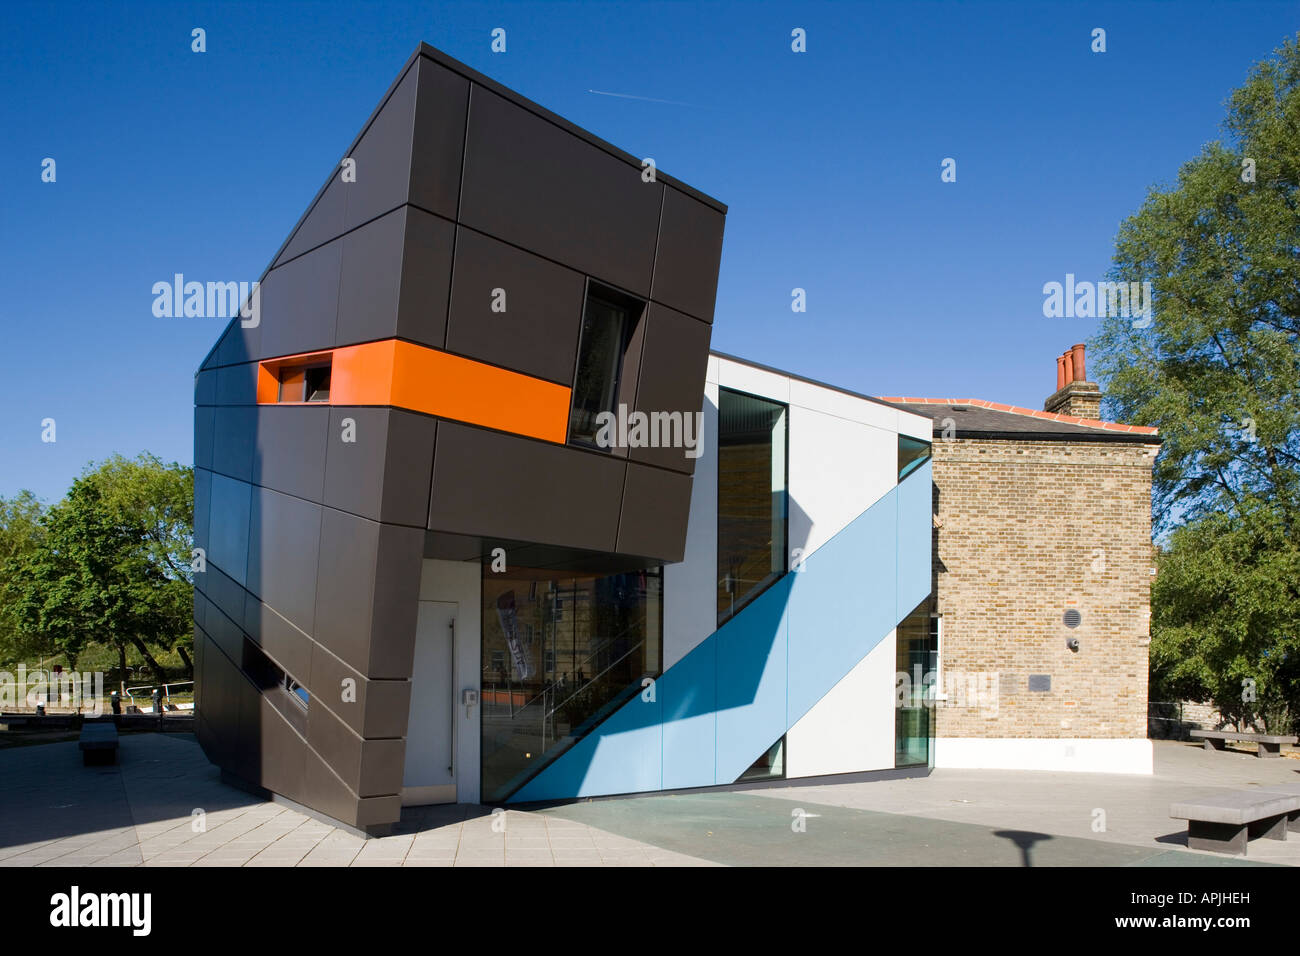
{"points": [[170, 161]]}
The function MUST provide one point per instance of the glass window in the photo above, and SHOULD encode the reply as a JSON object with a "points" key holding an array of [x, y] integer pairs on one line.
{"points": [[751, 498], [912, 454], [549, 677], [607, 321], [317, 384], [769, 766], [304, 383], [917, 662]]}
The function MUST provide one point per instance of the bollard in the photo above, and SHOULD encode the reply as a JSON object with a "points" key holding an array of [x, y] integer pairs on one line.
{"points": [[157, 701], [115, 701]]}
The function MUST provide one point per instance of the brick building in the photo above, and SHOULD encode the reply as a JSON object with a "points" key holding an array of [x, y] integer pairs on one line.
{"points": [[1042, 574]]}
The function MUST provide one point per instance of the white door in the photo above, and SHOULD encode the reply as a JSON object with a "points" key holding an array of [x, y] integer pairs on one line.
{"points": [[430, 774]]}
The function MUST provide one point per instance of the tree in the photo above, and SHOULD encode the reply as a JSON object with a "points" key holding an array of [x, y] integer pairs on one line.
{"points": [[1226, 618], [109, 563], [160, 499], [20, 534], [1218, 372]]}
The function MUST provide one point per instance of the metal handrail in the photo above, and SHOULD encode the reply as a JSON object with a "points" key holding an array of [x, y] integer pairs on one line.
{"points": [[167, 694]]}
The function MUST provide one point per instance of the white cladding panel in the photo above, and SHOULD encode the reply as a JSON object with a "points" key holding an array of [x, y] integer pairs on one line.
{"points": [[851, 729], [691, 586]]}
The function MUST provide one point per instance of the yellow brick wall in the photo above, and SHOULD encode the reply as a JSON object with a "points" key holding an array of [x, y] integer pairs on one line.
{"points": [[1029, 528]]}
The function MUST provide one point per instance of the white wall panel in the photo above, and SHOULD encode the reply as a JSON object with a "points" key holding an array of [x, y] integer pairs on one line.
{"points": [[838, 469], [691, 585], [851, 729]]}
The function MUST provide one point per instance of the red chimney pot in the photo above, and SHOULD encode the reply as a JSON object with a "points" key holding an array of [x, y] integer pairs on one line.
{"points": [[1077, 352]]}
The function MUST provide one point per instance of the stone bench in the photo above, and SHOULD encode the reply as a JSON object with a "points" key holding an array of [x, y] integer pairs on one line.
{"points": [[1270, 745], [98, 743], [1291, 789], [1224, 822]]}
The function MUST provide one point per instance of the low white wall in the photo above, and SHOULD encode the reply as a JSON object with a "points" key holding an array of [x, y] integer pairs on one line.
{"points": [[1083, 755]]}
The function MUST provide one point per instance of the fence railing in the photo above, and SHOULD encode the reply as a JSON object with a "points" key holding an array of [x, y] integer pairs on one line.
{"points": [[166, 688]]}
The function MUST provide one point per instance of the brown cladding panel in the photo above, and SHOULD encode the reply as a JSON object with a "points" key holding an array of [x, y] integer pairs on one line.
{"points": [[382, 766], [284, 534], [234, 435], [383, 158], [408, 468], [538, 332], [439, 138], [397, 597], [690, 249], [237, 384], [376, 708], [345, 586], [300, 303], [655, 506], [205, 387], [336, 743], [354, 470], [283, 643], [283, 752], [532, 184], [488, 483], [371, 277], [248, 709], [204, 422], [228, 524], [242, 343], [324, 791], [671, 379], [202, 507], [290, 453], [426, 278], [323, 223]]}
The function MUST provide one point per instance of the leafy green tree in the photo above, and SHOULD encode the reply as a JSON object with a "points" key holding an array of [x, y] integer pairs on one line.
{"points": [[1218, 372], [112, 563], [20, 534], [1226, 618]]}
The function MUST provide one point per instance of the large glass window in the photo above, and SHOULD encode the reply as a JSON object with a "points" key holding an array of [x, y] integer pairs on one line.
{"points": [[918, 669], [751, 498], [607, 322], [560, 652]]}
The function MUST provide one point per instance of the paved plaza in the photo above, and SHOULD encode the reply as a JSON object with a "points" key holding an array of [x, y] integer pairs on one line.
{"points": [[165, 805]]}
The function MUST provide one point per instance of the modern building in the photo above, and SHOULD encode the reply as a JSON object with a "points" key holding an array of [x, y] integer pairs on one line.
{"points": [[484, 520], [1042, 581]]}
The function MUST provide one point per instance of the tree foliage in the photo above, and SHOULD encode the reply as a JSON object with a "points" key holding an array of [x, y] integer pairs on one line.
{"points": [[111, 563], [1218, 372], [20, 534]]}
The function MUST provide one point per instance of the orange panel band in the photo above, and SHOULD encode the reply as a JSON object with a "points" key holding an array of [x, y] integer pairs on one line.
{"points": [[427, 380]]}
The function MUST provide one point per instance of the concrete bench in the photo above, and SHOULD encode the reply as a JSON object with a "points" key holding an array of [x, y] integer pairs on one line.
{"points": [[1224, 822], [98, 743], [1291, 789], [1270, 745]]}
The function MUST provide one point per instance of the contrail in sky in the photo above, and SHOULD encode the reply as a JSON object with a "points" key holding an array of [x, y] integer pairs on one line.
{"points": [[648, 99]]}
